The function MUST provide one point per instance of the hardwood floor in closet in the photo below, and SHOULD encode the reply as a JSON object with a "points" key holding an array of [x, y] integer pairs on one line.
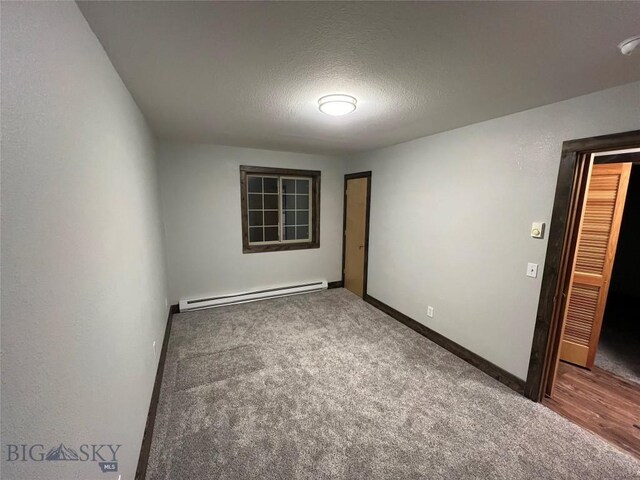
{"points": [[601, 402]]}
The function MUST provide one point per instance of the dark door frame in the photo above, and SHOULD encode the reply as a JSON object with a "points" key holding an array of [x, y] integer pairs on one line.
{"points": [[348, 177], [545, 335]]}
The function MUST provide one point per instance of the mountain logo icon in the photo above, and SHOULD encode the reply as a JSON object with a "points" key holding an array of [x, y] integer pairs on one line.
{"points": [[62, 453]]}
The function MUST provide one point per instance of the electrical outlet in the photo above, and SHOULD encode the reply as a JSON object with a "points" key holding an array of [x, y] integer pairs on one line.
{"points": [[532, 270], [155, 355], [430, 311]]}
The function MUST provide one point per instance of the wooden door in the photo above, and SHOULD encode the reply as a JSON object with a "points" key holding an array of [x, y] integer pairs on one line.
{"points": [[356, 199], [593, 262], [580, 182]]}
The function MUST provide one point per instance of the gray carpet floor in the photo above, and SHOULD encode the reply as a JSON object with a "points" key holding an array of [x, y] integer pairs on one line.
{"points": [[324, 386]]}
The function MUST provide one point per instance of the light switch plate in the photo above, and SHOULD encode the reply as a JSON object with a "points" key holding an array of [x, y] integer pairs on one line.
{"points": [[532, 270], [537, 229]]}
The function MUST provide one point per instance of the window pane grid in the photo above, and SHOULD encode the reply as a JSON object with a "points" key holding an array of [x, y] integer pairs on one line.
{"points": [[279, 209], [263, 209], [296, 209]]}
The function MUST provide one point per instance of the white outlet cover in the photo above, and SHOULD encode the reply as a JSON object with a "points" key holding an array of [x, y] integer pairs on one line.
{"points": [[532, 270], [429, 311]]}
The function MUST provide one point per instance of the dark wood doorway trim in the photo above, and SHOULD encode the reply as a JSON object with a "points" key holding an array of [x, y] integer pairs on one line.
{"points": [[147, 437], [545, 335], [348, 177]]}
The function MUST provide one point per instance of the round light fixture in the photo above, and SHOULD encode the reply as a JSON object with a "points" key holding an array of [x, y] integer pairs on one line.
{"points": [[337, 104], [629, 45]]}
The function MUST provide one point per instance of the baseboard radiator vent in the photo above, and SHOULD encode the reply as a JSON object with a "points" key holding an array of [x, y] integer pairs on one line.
{"points": [[252, 296]]}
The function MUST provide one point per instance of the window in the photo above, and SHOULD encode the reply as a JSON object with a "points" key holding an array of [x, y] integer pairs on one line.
{"points": [[280, 209]]}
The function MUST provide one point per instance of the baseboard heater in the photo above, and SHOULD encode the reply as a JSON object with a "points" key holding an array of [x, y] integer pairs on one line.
{"points": [[252, 296]]}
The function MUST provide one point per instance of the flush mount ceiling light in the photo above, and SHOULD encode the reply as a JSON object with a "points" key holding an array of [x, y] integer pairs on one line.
{"points": [[629, 45], [337, 104]]}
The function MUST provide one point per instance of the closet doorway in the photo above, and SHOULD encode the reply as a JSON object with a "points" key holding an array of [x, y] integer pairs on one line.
{"points": [[587, 370]]}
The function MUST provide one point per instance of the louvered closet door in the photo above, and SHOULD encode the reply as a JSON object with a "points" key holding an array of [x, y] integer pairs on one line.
{"points": [[595, 252]]}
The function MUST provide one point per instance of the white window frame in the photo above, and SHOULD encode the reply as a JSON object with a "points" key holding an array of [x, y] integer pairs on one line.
{"points": [[280, 210]]}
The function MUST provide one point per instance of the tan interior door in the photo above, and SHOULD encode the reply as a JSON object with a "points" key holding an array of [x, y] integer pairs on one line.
{"points": [[595, 253], [355, 234]]}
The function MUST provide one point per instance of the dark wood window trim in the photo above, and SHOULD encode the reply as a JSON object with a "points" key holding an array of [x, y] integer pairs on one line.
{"points": [[546, 332], [314, 175]]}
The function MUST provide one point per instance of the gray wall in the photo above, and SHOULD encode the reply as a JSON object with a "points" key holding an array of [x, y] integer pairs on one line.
{"points": [[451, 216], [200, 197], [83, 280]]}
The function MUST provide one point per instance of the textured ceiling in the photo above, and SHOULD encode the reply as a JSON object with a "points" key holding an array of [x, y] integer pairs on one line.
{"points": [[249, 74]]}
